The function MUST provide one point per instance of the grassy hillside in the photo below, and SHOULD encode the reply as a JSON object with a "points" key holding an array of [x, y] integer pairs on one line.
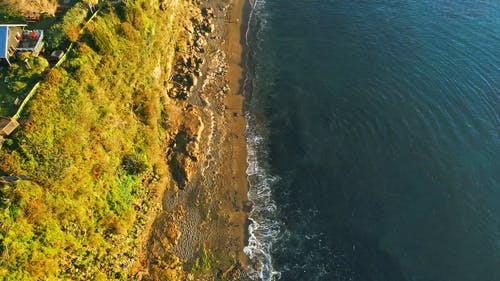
{"points": [[91, 145]]}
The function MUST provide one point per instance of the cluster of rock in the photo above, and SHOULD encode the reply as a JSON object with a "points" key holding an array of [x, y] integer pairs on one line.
{"points": [[189, 66], [184, 151]]}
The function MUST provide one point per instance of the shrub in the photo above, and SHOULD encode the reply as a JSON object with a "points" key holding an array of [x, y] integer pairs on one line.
{"points": [[53, 76], [72, 33], [7, 14], [69, 29], [133, 165], [18, 86], [128, 30], [75, 16], [55, 37], [21, 76], [102, 39]]}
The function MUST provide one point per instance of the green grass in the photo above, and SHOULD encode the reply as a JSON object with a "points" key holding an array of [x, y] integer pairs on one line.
{"points": [[25, 71], [203, 264], [18, 80], [7, 106], [90, 144]]}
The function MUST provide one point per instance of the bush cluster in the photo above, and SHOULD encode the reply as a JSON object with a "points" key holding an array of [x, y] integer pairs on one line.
{"points": [[68, 29]]}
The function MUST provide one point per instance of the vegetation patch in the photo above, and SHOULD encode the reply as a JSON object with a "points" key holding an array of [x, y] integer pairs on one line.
{"points": [[90, 145]]}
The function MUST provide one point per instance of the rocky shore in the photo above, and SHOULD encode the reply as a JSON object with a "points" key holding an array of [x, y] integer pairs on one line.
{"points": [[199, 230]]}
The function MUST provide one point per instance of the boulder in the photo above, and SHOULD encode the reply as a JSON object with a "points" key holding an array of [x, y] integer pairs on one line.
{"points": [[172, 233], [201, 42], [207, 12], [189, 27], [209, 27], [194, 79]]}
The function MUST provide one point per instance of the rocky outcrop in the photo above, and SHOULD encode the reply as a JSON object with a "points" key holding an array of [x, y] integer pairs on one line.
{"points": [[184, 149], [196, 116], [190, 64]]}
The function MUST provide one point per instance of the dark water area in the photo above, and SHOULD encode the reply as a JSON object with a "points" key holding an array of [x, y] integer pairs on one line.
{"points": [[380, 127]]}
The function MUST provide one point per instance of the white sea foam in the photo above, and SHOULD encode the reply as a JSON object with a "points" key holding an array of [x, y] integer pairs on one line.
{"points": [[264, 227]]}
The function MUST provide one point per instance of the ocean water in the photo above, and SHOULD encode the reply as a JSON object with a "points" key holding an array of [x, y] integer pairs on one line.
{"points": [[373, 137]]}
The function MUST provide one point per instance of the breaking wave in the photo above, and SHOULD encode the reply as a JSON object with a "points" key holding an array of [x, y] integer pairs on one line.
{"points": [[264, 227]]}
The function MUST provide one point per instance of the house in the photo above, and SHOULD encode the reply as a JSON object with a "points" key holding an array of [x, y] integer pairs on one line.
{"points": [[10, 36], [7, 125], [14, 38]]}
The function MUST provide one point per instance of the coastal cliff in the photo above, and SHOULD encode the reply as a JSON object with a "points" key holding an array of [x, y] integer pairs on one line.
{"points": [[121, 147]]}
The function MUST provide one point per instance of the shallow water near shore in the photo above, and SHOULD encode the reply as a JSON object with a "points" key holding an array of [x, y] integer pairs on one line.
{"points": [[373, 138]]}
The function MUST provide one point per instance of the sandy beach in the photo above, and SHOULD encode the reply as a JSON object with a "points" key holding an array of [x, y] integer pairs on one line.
{"points": [[236, 143], [204, 219]]}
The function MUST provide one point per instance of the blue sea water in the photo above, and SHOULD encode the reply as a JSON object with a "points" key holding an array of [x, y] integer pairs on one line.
{"points": [[373, 137]]}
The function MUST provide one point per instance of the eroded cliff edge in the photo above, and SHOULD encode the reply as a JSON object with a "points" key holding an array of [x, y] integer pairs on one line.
{"points": [[125, 150]]}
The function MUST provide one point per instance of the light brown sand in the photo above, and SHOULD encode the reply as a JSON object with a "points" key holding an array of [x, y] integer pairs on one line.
{"points": [[235, 178]]}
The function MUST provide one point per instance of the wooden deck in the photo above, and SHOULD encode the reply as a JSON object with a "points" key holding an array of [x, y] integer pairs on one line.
{"points": [[7, 125]]}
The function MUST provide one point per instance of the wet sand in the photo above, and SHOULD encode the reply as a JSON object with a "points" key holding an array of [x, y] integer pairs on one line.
{"points": [[235, 178]]}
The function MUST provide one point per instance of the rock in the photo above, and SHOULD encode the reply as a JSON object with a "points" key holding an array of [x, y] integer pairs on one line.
{"points": [[172, 233], [192, 151], [185, 60], [211, 27], [247, 205], [189, 27], [192, 61], [183, 95], [194, 79], [197, 19], [201, 42], [208, 26], [207, 12], [173, 92], [189, 39]]}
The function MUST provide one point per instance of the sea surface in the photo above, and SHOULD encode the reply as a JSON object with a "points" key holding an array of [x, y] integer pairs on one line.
{"points": [[373, 138]]}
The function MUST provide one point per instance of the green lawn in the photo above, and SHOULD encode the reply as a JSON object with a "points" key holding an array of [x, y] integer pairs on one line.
{"points": [[7, 106], [18, 80]]}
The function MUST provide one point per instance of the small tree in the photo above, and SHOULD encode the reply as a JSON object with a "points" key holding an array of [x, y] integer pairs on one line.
{"points": [[73, 20], [55, 37]]}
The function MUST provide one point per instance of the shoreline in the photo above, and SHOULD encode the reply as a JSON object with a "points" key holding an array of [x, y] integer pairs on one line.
{"points": [[203, 222], [234, 103]]}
